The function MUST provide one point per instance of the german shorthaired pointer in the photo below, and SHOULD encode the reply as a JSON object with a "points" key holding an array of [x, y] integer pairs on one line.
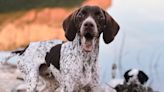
{"points": [[73, 64]]}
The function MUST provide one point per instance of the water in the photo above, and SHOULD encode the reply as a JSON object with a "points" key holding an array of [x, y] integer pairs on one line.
{"points": [[3, 54], [140, 39]]}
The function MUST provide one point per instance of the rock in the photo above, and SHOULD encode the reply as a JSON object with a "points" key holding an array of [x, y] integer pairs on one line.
{"points": [[8, 78]]}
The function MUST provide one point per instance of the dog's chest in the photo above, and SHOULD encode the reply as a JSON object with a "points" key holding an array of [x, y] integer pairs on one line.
{"points": [[86, 73], [77, 65]]}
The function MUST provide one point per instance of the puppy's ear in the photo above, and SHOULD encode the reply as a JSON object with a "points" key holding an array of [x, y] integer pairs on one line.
{"points": [[143, 78], [69, 26], [126, 75], [110, 28]]}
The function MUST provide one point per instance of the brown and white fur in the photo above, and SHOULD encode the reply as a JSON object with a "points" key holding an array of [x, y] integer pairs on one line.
{"points": [[79, 57], [73, 64]]}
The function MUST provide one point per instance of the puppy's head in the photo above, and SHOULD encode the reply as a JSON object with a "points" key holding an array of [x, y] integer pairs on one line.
{"points": [[89, 22], [135, 76]]}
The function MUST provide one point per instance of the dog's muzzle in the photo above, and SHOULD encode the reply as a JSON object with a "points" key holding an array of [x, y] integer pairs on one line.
{"points": [[88, 34], [89, 29]]}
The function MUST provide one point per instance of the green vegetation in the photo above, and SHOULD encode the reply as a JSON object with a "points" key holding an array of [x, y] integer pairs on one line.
{"points": [[12, 9], [10, 16], [19, 5]]}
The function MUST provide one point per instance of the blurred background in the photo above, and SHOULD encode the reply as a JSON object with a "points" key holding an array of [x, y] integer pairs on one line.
{"points": [[139, 43]]}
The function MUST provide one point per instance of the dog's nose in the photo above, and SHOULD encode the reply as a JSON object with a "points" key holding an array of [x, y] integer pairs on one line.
{"points": [[88, 25], [88, 36]]}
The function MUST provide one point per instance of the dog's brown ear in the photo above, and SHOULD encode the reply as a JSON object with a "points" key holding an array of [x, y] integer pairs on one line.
{"points": [[70, 26], [110, 28]]}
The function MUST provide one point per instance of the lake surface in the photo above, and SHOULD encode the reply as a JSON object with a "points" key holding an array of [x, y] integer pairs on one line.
{"points": [[140, 42]]}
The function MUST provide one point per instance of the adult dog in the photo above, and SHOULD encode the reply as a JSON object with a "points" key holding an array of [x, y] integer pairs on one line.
{"points": [[73, 64]]}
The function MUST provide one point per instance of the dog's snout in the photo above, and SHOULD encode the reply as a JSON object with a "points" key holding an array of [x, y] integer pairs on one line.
{"points": [[88, 25], [89, 29], [88, 35]]}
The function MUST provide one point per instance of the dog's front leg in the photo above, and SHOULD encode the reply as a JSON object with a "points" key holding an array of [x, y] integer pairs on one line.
{"points": [[68, 84], [95, 81], [31, 80], [67, 87]]}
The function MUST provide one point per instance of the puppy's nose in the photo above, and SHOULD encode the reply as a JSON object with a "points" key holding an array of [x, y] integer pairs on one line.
{"points": [[88, 25]]}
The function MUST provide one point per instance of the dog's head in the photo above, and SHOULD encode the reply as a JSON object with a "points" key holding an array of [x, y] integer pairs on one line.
{"points": [[135, 76], [89, 22]]}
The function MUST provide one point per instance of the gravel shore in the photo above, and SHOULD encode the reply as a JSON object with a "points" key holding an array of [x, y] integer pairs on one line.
{"points": [[8, 77]]}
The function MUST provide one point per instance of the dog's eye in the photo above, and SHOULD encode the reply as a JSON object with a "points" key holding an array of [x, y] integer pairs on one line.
{"points": [[82, 14], [99, 15]]}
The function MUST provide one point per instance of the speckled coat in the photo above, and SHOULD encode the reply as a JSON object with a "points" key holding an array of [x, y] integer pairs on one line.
{"points": [[78, 68], [31, 59]]}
